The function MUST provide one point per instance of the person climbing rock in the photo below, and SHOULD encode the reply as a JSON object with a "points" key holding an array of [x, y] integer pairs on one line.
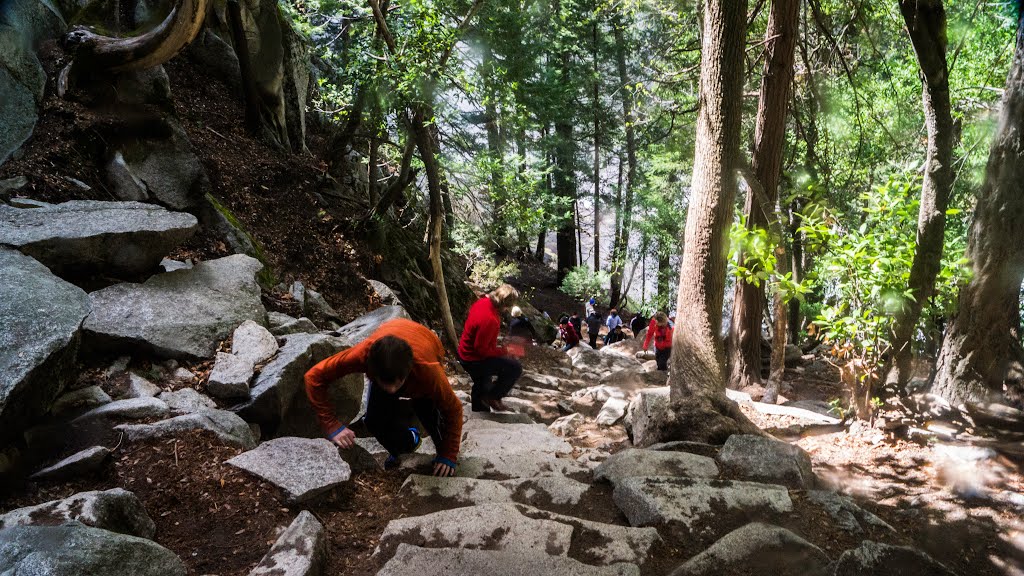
{"points": [[660, 331], [480, 354], [401, 359], [614, 324], [593, 327], [577, 323], [521, 327], [637, 324], [567, 332]]}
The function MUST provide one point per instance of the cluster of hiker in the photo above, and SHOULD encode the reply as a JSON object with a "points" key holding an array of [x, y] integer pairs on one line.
{"points": [[403, 359]]}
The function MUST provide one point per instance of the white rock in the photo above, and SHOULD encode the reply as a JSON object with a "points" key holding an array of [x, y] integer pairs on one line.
{"points": [[253, 342], [304, 468], [230, 377]]}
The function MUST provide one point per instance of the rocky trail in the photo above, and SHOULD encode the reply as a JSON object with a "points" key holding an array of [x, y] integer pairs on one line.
{"points": [[164, 428]]}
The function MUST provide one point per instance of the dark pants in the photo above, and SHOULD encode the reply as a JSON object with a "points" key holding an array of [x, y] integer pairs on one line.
{"points": [[507, 371], [661, 357], [389, 420], [593, 339], [568, 347]]}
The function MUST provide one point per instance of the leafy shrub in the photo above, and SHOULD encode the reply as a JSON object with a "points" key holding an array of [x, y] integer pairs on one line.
{"points": [[489, 274], [582, 282]]}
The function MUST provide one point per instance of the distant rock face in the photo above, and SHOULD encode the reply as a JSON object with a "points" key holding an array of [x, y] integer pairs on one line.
{"points": [[40, 316], [79, 549], [180, 314], [84, 237]]}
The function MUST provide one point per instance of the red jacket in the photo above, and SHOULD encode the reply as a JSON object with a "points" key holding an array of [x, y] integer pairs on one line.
{"points": [[662, 336], [480, 334], [568, 333], [426, 380]]}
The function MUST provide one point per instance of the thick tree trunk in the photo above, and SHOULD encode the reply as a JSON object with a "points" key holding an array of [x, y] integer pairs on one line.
{"points": [[744, 345], [621, 241], [565, 180], [981, 353], [701, 410], [926, 23], [597, 155]]}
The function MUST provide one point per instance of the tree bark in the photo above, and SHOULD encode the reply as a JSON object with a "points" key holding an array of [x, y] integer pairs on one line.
{"points": [[700, 409], [564, 174], [926, 23], [744, 344], [621, 242], [597, 155], [981, 353]]}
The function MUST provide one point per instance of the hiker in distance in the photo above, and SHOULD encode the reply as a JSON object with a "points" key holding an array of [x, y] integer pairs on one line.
{"points": [[402, 359], [660, 331], [493, 370], [593, 327], [614, 324], [567, 332]]}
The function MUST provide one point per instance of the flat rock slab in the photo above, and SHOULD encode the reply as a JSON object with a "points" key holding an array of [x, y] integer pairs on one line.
{"points": [[283, 324], [115, 510], [303, 467], [252, 342], [359, 329], [75, 466], [180, 314], [40, 315], [230, 377], [186, 401], [517, 451], [300, 551], [600, 543], [80, 549], [85, 237], [81, 399], [887, 560], [227, 426], [845, 512], [698, 505], [415, 561], [638, 462], [766, 460], [556, 490], [772, 550], [129, 409]]}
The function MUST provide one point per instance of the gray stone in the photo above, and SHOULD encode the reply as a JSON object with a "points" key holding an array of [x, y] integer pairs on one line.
{"points": [[283, 324], [635, 379], [171, 265], [500, 417], [186, 401], [767, 460], [300, 551], [817, 406], [28, 203], [278, 400], [554, 490], [792, 356], [520, 451], [168, 166], [183, 375], [415, 561], [131, 409], [181, 314], [126, 186], [646, 409], [359, 329], [567, 425], [227, 426], [317, 306], [118, 366], [253, 342], [10, 185], [139, 387], [78, 549], [17, 114], [636, 462], [844, 512], [81, 399], [41, 315], [771, 549], [77, 465], [85, 237], [614, 409], [597, 365], [386, 295], [494, 527], [887, 560], [209, 49], [230, 377], [600, 543], [116, 510], [304, 468], [698, 505]]}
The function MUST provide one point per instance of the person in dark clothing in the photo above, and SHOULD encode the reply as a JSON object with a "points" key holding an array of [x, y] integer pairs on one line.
{"points": [[637, 324], [567, 332], [594, 322], [577, 323], [521, 327], [481, 356]]}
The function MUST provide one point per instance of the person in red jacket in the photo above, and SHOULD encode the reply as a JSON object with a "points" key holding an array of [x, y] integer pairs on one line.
{"points": [[661, 333], [567, 332], [401, 359], [480, 354]]}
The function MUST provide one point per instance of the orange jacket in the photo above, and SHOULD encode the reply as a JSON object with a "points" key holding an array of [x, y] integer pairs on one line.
{"points": [[426, 380], [662, 336]]}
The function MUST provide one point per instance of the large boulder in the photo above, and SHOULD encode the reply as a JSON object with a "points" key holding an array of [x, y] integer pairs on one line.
{"points": [[86, 237], [359, 329], [771, 549], [227, 426], [278, 401], [78, 465], [79, 549], [163, 167], [887, 560], [181, 314], [635, 462], [303, 468], [116, 510], [767, 460], [415, 561], [300, 551], [647, 409], [40, 315]]}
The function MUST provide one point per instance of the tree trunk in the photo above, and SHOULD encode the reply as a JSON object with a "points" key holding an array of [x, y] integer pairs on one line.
{"points": [[700, 409], [597, 155], [926, 23], [494, 149], [744, 345], [565, 178], [981, 352], [621, 242]]}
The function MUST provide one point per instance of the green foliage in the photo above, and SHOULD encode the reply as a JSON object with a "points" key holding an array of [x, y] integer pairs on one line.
{"points": [[761, 252], [488, 274], [582, 283]]}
